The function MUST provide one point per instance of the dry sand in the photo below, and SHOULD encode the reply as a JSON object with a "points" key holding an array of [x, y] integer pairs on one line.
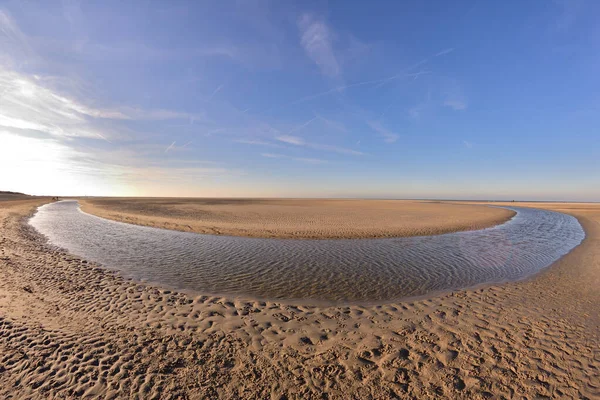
{"points": [[70, 329], [298, 218]]}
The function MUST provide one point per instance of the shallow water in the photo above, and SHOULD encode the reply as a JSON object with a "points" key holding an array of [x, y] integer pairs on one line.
{"points": [[341, 270]]}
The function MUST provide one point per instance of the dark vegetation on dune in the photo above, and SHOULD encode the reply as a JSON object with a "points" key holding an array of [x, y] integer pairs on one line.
{"points": [[6, 193]]}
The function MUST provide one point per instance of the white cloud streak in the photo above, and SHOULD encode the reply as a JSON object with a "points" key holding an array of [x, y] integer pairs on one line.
{"points": [[405, 73], [302, 126], [295, 140], [333, 124], [28, 105], [301, 159], [445, 51], [298, 141], [217, 90], [257, 142], [456, 104], [170, 147], [316, 39], [387, 135]]}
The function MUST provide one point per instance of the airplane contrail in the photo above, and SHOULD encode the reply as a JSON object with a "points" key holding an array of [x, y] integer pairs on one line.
{"points": [[170, 147], [217, 90], [377, 82]]}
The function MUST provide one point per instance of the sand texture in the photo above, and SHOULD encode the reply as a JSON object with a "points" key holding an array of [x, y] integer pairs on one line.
{"points": [[69, 329], [302, 218]]}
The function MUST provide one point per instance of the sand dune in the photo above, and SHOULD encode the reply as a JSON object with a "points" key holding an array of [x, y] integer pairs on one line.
{"points": [[299, 218], [71, 329]]}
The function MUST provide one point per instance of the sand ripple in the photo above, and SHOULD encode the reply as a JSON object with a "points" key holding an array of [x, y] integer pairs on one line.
{"points": [[70, 329], [350, 270]]}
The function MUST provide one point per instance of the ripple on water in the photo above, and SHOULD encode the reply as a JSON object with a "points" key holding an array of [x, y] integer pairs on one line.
{"points": [[341, 270]]}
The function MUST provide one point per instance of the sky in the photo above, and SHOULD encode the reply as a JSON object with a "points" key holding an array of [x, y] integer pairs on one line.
{"points": [[386, 99]]}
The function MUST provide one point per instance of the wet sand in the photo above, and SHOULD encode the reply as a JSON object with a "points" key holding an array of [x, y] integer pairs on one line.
{"points": [[69, 328], [299, 218]]}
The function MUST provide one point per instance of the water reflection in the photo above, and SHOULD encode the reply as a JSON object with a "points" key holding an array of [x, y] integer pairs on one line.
{"points": [[344, 270]]}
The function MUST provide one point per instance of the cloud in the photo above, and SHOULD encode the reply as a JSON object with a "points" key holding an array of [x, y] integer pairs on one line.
{"points": [[170, 147], [12, 40], [26, 105], [217, 90], [388, 136], [152, 114], [415, 75], [303, 125], [271, 155], [405, 73], [301, 159], [454, 97], [334, 149], [468, 144], [456, 104], [445, 51], [30, 106], [415, 112], [295, 140], [316, 39], [333, 124], [257, 142], [50, 166], [298, 141], [340, 89]]}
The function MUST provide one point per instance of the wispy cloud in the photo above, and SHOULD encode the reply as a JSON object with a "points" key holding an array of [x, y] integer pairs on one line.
{"points": [[316, 38], [271, 155], [454, 97], [217, 90], [257, 142], [295, 140], [299, 127], [51, 166], [213, 131], [333, 124], [335, 149], [405, 73], [301, 159], [29, 106], [387, 135], [12, 40], [155, 115], [456, 104], [337, 89], [445, 51], [170, 147], [298, 141]]}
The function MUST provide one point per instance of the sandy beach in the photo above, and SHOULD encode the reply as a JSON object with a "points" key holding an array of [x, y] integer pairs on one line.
{"points": [[71, 329], [299, 218]]}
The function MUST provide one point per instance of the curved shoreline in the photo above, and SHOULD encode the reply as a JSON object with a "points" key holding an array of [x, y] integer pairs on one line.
{"points": [[494, 225], [333, 272], [306, 219], [315, 302], [68, 328]]}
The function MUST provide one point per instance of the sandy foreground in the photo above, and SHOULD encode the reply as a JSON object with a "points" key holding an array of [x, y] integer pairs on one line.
{"points": [[298, 218], [70, 329]]}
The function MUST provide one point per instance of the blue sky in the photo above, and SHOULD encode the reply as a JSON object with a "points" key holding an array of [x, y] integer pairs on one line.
{"points": [[411, 99]]}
